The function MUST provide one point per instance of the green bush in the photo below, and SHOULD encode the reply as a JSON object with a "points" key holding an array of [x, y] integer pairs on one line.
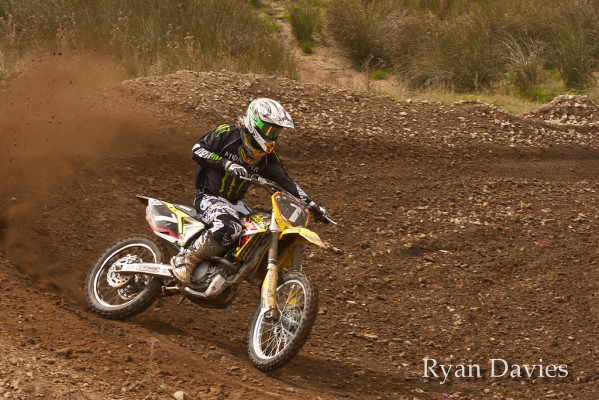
{"points": [[305, 17], [307, 46], [535, 93], [380, 74]]}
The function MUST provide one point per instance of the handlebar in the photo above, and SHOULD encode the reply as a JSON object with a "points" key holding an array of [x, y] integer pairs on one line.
{"points": [[273, 187], [269, 185]]}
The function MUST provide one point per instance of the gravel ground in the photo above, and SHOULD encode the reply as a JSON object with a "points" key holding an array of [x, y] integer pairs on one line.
{"points": [[465, 234]]}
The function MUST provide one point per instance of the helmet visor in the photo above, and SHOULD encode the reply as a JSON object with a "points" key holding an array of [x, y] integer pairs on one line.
{"points": [[269, 131]]}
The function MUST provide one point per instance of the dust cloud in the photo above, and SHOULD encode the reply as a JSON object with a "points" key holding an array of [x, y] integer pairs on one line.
{"points": [[57, 115]]}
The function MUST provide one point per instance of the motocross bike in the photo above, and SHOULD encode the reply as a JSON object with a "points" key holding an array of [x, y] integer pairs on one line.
{"points": [[132, 272]]}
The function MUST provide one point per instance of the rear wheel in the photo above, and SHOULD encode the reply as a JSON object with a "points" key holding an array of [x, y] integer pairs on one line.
{"points": [[273, 343], [119, 296]]}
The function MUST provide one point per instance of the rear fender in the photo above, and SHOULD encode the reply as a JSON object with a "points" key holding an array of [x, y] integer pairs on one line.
{"points": [[175, 223]]}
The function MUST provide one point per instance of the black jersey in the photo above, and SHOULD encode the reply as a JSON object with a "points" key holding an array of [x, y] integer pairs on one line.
{"points": [[223, 144]]}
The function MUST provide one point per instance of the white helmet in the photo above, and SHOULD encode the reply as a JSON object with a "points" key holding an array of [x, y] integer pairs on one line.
{"points": [[264, 121]]}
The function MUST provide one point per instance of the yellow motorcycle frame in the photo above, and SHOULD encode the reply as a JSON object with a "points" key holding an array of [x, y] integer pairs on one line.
{"points": [[288, 223], [275, 241], [280, 227], [132, 272]]}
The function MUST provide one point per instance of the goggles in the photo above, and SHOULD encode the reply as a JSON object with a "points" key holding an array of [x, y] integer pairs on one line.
{"points": [[269, 131]]}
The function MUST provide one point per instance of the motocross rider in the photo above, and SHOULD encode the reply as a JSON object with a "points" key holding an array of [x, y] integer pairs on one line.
{"points": [[225, 154]]}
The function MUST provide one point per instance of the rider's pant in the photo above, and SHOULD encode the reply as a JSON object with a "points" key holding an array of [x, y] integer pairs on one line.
{"points": [[223, 215]]}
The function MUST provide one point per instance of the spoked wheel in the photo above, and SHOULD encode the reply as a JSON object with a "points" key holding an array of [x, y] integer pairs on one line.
{"points": [[273, 343], [118, 296]]}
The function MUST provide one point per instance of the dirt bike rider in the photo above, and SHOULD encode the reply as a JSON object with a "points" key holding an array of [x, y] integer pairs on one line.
{"points": [[225, 154]]}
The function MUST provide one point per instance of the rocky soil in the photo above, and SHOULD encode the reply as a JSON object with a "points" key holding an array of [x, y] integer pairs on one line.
{"points": [[465, 234]]}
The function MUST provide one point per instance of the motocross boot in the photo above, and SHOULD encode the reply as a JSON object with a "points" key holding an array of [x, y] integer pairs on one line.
{"points": [[183, 264]]}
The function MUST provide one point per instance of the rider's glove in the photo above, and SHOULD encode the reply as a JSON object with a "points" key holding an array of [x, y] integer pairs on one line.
{"points": [[236, 170], [319, 213]]}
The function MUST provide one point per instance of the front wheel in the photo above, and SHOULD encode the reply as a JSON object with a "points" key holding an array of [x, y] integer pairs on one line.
{"points": [[117, 296], [273, 343]]}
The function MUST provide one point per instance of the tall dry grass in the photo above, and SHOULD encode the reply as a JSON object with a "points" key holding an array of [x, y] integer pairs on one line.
{"points": [[462, 54], [574, 40], [306, 18], [149, 36], [469, 45], [361, 27], [524, 60]]}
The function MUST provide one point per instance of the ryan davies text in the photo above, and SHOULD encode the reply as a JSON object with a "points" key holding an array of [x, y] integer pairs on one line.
{"points": [[495, 368]]}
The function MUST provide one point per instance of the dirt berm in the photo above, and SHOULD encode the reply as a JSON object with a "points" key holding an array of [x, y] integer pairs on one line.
{"points": [[465, 235]]}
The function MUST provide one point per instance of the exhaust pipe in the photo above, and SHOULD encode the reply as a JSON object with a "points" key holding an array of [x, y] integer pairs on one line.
{"points": [[218, 284], [216, 287], [165, 271]]}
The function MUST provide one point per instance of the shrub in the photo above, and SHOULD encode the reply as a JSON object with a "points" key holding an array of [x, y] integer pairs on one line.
{"points": [[461, 54], [524, 62], [468, 45], [409, 33], [305, 17], [360, 26], [574, 30], [307, 46]]}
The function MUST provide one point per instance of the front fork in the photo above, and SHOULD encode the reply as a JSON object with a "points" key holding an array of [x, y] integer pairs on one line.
{"points": [[269, 286]]}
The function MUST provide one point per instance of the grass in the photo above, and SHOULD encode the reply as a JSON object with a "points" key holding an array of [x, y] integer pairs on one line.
{"points": [[380, 74], [307, 46], [509, 104], [472, 45], [499, 97], [149, 36], [305, 17], [531, 50]]}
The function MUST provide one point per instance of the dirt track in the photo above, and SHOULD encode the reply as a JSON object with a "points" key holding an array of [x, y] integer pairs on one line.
{"points": [[464, 234]]}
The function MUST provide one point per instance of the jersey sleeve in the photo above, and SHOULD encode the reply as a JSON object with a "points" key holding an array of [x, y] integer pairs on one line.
{"points": [[275, 171], [205, 151]]}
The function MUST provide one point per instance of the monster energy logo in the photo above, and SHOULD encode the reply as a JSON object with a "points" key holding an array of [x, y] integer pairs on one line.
{"points": [[229, 187], [203, 153], [222, 129]]}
